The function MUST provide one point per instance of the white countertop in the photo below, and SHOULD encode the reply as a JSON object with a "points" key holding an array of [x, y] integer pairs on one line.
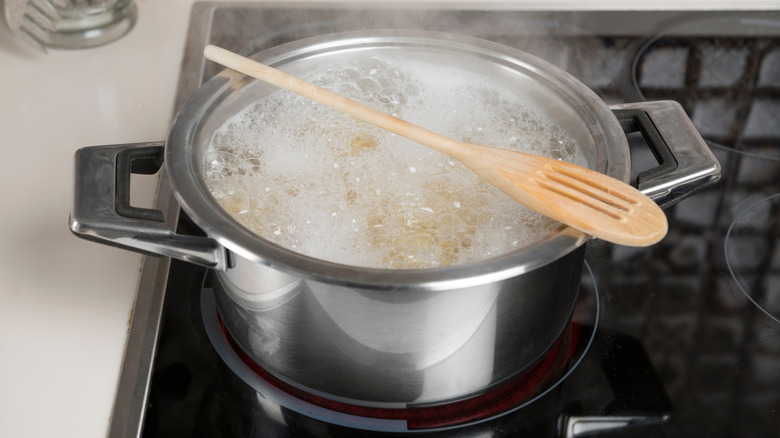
{"points": [[65, 303]]}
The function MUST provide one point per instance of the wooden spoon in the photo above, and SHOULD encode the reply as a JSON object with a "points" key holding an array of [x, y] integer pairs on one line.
{"points": [[589, 201]]}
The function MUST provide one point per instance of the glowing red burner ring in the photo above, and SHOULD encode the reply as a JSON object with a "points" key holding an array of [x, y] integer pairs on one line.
{"points": [[479, 407]]}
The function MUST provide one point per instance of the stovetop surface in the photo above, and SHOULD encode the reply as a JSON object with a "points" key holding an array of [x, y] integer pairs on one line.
{"points": [[704, 304]]}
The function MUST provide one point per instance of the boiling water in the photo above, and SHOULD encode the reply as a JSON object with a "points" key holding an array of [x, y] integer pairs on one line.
{"points": [[331, 187]]}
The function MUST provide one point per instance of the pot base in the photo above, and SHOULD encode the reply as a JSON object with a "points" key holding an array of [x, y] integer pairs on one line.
{"points": [[515, 393], [389, 348]]}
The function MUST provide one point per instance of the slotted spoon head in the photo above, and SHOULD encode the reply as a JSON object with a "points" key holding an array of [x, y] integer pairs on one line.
{"points": [[587, 200]]}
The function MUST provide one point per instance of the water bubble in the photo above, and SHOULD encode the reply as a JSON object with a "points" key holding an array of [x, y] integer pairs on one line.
{"points": [[371, 65]]}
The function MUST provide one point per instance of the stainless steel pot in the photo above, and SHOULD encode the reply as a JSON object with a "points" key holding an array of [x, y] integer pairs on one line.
{"points": [[376, 337]]}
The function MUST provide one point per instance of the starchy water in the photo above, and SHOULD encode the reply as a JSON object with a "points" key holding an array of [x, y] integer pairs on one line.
{"points": [[326, 185]]}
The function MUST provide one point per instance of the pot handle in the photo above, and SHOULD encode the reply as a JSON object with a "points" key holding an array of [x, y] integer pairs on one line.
{"points": [[102, 211], [686, 164]]}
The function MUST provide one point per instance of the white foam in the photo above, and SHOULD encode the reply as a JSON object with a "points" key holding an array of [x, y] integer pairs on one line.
{"points": [[326, 185]]}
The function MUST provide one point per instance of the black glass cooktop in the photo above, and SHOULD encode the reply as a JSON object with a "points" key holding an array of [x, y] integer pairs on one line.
{"points": [[687, 339]]}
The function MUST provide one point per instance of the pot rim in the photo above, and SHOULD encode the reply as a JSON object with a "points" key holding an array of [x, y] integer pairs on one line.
{"points": [[189, 187]]}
